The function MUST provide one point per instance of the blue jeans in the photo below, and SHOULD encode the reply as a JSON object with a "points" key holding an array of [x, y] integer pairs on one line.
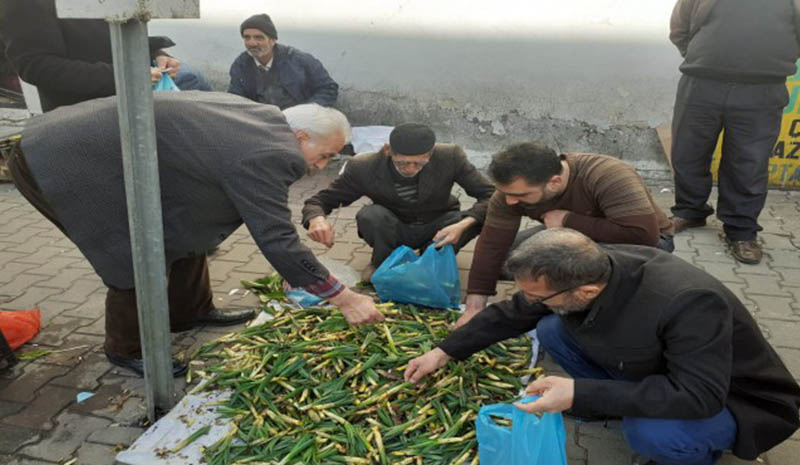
{"points": [[668, 442], [189, 78]]}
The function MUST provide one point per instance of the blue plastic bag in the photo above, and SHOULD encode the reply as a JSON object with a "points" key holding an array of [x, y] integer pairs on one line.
{"points": [[531, 440], [430, 279], [165, 84], [302, 297]]}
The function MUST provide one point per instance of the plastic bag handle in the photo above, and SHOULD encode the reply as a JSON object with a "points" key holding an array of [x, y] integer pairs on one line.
{"points": [[498, 410]]}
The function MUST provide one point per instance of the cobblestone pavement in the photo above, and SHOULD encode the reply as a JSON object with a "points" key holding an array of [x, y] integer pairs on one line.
{"points": [[41, 422]]}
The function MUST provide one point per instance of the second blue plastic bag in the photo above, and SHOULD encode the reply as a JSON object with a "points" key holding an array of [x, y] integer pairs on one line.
{"points": [[430, 279], [165, 84], [531, 440]]}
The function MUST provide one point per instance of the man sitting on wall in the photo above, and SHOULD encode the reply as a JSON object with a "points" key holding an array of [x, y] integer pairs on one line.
{"points": [[280, 75], [409, 182], [598, 195], [644, 336]]}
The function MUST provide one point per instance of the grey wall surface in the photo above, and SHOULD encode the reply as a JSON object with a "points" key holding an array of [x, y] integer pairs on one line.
{"points": [[597, 96]]}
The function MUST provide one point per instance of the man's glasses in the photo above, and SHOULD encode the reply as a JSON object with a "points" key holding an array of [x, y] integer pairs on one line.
{"points": [[542, 299]]}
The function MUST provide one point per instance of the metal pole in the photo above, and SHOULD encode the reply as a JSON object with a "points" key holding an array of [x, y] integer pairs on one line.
{"points": [[142, 188]]}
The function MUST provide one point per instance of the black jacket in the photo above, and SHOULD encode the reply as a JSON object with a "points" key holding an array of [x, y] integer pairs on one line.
{"points": [[690, 344], [68, 60], [369, 175]]}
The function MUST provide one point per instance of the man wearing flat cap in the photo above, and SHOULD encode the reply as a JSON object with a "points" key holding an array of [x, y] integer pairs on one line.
{"points": [[409, 182], [276, 74]]}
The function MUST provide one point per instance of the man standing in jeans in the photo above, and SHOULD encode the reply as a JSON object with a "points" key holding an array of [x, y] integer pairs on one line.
{"points": [[738, 54]]}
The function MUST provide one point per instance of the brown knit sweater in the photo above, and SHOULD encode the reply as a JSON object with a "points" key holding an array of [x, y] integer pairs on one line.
{"points": [[608, 201]]}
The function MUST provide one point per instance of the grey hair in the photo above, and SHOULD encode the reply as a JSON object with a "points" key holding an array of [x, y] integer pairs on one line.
{"points": [[564, 256], [317, 121]]}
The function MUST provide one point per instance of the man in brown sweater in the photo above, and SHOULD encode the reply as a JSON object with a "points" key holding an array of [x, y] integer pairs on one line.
{"points": [[598, 195]]}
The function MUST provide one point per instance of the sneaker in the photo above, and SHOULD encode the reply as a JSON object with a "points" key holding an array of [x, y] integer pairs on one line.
{"points": [[747, 252], [682, 224]]}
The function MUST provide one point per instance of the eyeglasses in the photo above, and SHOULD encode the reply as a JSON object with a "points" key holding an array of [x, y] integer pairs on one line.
{"points": [[406, 163], [542, 299]]}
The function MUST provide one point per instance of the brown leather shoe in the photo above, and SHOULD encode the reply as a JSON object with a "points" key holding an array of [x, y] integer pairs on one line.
{"points": [[748, 252], [682, 224]]}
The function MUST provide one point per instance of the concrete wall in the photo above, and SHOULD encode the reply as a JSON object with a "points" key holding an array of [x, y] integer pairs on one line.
{"points": [[590, 91]]}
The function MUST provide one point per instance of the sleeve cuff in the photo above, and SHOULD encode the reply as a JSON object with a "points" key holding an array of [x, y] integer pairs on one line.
{"points": [[326, 288]]}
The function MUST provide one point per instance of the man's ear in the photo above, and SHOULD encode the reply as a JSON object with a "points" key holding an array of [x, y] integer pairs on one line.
{"points": [[555, 182], [301, 135], [589, 291]]}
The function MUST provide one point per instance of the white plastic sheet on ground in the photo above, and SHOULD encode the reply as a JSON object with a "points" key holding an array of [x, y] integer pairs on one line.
{"points": [[192, 413], [369, 138]]}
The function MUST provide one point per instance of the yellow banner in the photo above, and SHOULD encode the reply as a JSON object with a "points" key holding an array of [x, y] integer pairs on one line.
{"points": [[784, 162]]}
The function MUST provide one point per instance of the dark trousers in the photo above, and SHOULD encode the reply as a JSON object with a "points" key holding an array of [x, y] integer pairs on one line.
{"points": [[384, 231], [23, 180], [666, 441], [750, 115], [189, 287], [189, 295]]}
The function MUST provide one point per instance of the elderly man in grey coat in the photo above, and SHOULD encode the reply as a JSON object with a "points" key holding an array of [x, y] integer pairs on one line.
{"points": [[223, 161]]}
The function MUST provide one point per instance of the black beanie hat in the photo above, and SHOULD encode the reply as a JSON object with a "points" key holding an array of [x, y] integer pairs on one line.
{"points": [[412, 139], [261, 22]]}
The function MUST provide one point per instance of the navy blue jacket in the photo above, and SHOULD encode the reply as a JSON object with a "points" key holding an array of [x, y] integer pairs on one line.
{"points": [[299, 73]]}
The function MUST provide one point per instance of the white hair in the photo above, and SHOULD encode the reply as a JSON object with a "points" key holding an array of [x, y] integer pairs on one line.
{"points": [[317, 121]]}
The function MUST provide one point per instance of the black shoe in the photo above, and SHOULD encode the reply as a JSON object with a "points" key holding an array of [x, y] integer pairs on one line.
{"points": [[137, 365], [227, 316], [218, 317]]}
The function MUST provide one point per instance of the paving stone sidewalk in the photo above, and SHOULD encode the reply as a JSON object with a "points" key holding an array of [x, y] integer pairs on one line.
{"points": [[41, 422]]}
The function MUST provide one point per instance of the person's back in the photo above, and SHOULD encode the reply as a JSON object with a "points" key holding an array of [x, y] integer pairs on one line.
{"points": [[760, 383], [744, 41], [207, 143]]}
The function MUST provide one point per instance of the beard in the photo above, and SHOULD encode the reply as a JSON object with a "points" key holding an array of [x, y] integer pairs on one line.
{"points": [[571, 305], [548, 199], [257, 52]]}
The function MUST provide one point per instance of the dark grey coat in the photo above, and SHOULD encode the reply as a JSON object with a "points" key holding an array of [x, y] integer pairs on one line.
{"points": [[223, 160]]}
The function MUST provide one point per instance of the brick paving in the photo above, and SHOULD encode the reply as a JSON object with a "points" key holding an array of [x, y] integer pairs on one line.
{"points": [[41, 423]]}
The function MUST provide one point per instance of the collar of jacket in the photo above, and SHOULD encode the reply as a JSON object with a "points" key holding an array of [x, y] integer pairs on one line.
{"points": [[608, 295]]}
